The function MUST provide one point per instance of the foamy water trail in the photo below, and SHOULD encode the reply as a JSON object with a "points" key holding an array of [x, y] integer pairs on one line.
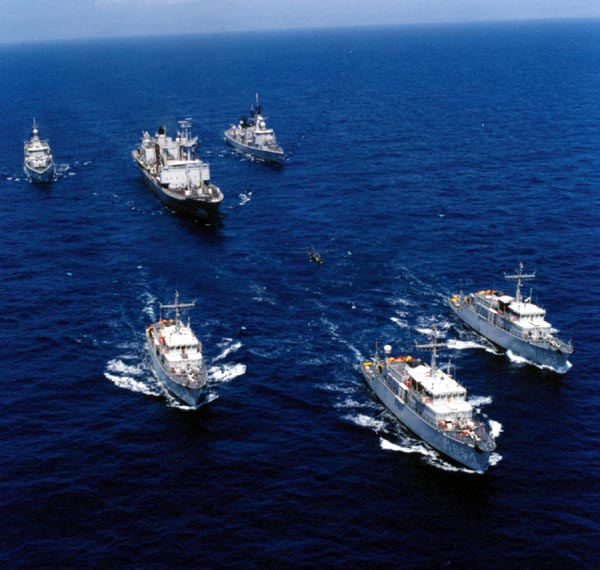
{"points": [[357, 354], [119, 367], [516, 359], [401, 301], [62, 169], [245, 198], [131, 377], [409, 446], [495, 458], [363, 420], [150, 302], [337, 388], [226, 372], [347, 403], [331, 327], [260, 295], [456, 344], [496, 428], [234, 347], [131, 384], [429, 455], [478, 401], [402, 324]]}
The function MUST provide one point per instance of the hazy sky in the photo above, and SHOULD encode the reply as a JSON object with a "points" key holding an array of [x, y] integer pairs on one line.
{"points": [[30, 20]]}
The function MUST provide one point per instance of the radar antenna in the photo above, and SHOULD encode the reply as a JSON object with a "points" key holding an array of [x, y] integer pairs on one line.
{"points": [[519, 277], [177, 306], [433, 346]]}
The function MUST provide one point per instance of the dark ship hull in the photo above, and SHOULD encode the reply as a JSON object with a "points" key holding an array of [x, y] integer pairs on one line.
{"points": [[192, 207]]}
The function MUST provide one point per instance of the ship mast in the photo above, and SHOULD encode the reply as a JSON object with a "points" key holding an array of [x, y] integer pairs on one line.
{"points": [[433, 346], [518, 277], [258, 109], [177, 306], [186, 142]]}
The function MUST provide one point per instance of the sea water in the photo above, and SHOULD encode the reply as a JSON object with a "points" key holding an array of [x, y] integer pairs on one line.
{"points": [[419, 160]]}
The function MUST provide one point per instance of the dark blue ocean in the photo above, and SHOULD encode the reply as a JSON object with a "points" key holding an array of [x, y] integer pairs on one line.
{"points": [[420, 160]]}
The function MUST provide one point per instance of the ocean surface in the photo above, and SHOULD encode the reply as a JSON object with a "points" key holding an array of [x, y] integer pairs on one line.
{"points": [[419, 160]]}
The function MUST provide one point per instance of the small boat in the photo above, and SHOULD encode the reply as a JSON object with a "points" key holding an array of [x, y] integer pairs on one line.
{"points": [[174, 174], [38, 163], [431, 404], [514, 323], [252, 137], [314, 256], [175, 355]]}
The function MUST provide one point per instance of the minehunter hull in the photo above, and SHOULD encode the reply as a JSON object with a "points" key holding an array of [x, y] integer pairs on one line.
{"points": [[540, 355], [466, 455], [262, 154], [39, 176], [197, 209], [192, 397]]}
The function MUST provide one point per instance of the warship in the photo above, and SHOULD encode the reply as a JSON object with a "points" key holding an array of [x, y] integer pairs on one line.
{"points": [[514, 323], [252, 137], [175, 355], [432, 405], [38, 164], [176, 176]]}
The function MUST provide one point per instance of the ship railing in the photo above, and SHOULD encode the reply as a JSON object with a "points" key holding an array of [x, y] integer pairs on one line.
{"points": [[207, 191], [563, 346], [460, 434], [533, 336], [542, 338]]}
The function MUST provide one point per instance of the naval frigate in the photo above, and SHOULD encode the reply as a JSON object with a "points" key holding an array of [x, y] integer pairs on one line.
{"points": [[431, 404], [252, 137], [38, 163], [514, 323]]}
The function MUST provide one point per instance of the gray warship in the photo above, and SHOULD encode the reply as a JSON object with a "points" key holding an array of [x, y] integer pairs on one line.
{"points": [[38, 163], [514, 323], [175, 355], [252, 137], [176, 176], [431, 404]]}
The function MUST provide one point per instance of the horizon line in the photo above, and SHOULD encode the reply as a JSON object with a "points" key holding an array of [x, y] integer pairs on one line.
{"points": [[224, 32]]}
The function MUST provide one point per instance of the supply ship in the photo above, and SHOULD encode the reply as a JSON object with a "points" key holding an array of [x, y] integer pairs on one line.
{"points": [[514, 323], [175, 355], [431, 404], [38, 163], [172, 171], [252, 137]]}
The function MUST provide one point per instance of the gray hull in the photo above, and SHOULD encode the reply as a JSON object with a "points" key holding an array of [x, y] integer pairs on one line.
{"points": [[39, 176], [198, 209], [192, 397], [535, 353], [262, 154], [466, 455]]}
